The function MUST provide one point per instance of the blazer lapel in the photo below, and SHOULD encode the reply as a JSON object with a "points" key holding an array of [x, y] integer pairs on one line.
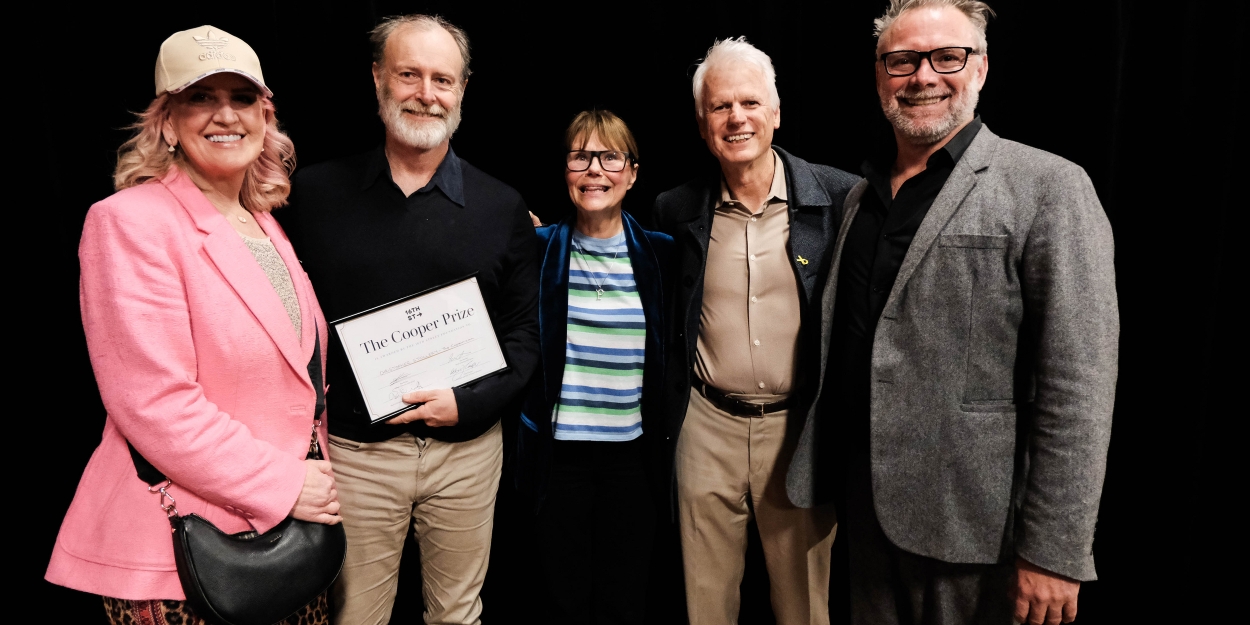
{"points": [[646, 270], [808, 239], [553, 296], [646, 276], [229, 253], [830, 293], [650, 282], [805, 449], [698, 231], [960, 183], [700, 228]]}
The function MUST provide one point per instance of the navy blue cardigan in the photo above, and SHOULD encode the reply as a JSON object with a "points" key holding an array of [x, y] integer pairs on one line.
{"points": [[649, 254]]}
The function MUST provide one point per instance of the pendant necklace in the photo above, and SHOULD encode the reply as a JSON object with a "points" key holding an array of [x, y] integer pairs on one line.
{"points": [[241, 218], [599, 287]]}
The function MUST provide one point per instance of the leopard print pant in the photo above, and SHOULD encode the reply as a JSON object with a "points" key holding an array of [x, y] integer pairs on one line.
{"points": [[165, 612]]}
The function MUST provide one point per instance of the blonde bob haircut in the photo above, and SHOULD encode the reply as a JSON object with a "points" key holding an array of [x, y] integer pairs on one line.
{"points": [[610, 129], [145, 157]]}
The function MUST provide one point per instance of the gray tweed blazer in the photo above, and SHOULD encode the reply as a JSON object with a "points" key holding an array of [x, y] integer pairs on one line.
{"points": [[993, 368]]}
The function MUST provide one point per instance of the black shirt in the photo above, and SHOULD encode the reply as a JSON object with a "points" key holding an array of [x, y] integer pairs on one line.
{"points": [[363, 243], [876, 243]]}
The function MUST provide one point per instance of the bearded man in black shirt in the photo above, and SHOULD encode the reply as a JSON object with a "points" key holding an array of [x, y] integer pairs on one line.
{"points": [[971, 331], [370, 229]]}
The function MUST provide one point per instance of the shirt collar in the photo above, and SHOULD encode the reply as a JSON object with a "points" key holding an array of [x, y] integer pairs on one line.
{"points": [[776, 191], [449, 177], [960, 142], [877, 168]]}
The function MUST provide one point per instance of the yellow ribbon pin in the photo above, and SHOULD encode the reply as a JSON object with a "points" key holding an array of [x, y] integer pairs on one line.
{"points": [[802, 261]]}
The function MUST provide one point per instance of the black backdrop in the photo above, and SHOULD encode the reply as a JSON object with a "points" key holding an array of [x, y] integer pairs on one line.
{"points": [[1141, 97]]}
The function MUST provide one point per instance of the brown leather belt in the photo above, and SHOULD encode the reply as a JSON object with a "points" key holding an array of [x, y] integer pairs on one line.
{"points": [[739, 407]]}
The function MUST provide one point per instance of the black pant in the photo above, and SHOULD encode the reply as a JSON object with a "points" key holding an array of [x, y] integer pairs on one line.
{"points": [[596, 527], [890, 586]]}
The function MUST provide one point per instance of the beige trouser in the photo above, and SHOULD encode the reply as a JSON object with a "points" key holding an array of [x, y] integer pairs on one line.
{"points": [[728, 468], [446, 491]]}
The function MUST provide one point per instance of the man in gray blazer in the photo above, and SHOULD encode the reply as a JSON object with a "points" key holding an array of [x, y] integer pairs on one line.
{"points": [[970, 333]]}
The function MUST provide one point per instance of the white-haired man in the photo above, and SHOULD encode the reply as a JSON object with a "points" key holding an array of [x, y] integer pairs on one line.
{"points": [[972, 327], [408, 216], [751, 241]]}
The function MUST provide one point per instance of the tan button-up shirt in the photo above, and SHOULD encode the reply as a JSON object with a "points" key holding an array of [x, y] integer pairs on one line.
{"points": [[749, 326]]}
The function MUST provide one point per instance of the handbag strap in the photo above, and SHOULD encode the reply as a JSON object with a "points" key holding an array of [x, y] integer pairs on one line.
{"points": [[153, 476]]}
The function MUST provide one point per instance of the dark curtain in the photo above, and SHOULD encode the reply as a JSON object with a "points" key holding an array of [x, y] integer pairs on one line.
{"points": [[1143, 97]]}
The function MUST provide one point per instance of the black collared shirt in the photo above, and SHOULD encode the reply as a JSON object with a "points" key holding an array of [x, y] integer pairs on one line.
{"points": [[364, 243], [448, 178], [876, 243]]}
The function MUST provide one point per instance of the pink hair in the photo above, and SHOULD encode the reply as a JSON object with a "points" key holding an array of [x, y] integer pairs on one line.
{"points": [[146, 157]]}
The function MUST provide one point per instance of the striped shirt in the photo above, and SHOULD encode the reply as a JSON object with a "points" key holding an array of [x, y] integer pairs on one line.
{"points": [[601, 392]]}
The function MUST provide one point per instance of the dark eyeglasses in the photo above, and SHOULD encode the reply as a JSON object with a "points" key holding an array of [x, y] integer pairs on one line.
{"points": [[609, 160], [942, 60]]}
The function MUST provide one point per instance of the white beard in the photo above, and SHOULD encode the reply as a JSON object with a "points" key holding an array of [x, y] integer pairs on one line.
{"points": [[423, 135], [928, 132]]}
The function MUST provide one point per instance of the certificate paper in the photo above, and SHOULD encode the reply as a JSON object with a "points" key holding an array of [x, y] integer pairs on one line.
{"points": [[440, 338]]}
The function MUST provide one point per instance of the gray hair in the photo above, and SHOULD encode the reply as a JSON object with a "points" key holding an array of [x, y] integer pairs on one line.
{"points": [[976, 11], [738, 49], [383, 31]]}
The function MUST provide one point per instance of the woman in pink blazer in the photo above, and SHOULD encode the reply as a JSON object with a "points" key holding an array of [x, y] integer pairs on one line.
{"points": [[200, 324]]}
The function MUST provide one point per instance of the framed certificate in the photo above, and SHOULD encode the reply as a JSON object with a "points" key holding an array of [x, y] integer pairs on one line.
{"points": [[438, 338]]}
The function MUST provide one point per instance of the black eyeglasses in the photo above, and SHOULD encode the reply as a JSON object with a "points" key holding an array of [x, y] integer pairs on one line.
{"points": [[609, 160], [942, 60]]}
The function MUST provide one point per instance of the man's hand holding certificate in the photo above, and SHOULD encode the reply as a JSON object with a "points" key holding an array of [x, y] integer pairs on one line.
{"points": [[414, 350], [437, 408]]}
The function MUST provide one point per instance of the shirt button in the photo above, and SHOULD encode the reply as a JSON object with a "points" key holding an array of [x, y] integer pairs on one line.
{"points": [[754, 299], [753, 257], [757, 342], [761, 385], [753, 219]]}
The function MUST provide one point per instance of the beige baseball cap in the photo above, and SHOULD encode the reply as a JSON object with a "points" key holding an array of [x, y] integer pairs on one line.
{"points": [[190, 55]]}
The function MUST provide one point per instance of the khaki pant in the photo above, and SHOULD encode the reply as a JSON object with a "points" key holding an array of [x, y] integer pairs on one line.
{"points": [[728, 468], [446, 493]]}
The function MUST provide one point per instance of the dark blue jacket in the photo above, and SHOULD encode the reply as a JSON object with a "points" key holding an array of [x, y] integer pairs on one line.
{"points": [[649, 255], [816, 195]]}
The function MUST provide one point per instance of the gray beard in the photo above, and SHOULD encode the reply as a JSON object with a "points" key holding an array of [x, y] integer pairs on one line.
{"points": [[927, 133], [423, 135]]}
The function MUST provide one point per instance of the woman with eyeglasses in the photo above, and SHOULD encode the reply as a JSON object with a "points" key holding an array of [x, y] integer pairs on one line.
{"points": [[584, 442]]}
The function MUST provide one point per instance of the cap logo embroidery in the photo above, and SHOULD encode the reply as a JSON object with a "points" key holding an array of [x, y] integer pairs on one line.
{"points": [[214, 47]]}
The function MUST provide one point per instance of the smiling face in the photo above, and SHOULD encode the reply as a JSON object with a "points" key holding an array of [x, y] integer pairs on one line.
{"points": [[927, 107], [738, 122], [596, 190], [218, 124], [419, 86]]}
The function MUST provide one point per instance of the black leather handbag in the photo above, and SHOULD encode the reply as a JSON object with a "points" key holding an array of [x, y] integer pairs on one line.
{"points": [[250, 578]]}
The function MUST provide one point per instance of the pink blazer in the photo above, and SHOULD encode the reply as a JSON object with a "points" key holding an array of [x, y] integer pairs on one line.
{"points": [[200, 368]]}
